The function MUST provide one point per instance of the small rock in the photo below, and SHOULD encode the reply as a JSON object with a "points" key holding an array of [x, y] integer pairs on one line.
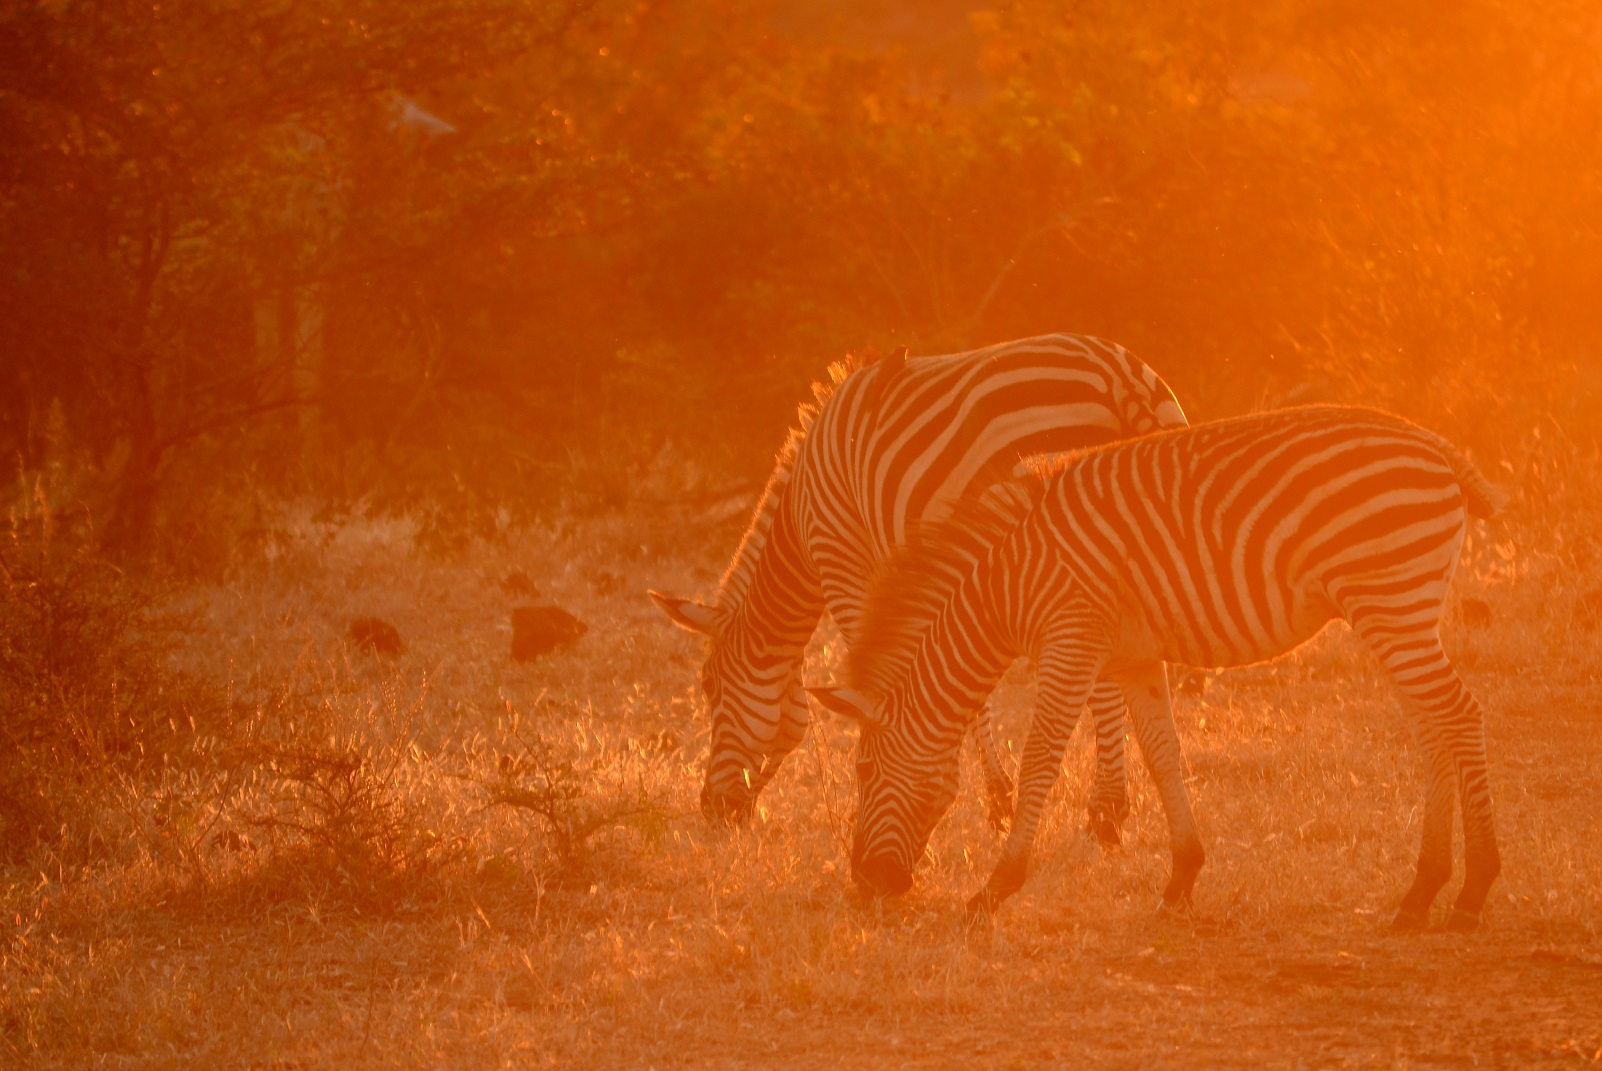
{"points": [[538, 630], [1476, 613], [376, 635], [606, 582], [518, 583], [499, 870], [522, 993], [234, 841]]}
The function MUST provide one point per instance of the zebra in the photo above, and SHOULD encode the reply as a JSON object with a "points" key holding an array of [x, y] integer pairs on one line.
{"points": [[890, 445], [1219, 545]]}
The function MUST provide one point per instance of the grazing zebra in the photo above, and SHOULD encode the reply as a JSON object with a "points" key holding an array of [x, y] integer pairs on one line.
{"points": [[1218, 545], [892, 445]]}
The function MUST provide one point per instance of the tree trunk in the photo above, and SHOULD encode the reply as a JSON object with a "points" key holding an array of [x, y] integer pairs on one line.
{"points": [[128, 530]]}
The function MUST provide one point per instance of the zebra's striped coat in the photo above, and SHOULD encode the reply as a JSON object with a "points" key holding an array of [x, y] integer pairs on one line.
{"points": [[894, 445], [1223, 544]]}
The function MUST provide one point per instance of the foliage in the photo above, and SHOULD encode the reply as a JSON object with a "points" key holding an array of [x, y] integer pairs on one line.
{"points": [[482, 259]]}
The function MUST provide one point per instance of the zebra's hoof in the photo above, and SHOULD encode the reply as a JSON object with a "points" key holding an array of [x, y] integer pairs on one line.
{"points": [[1105, 831], [1181, 910], [983, 904], [1001, 807], [1463, 921], [1407, 921]]}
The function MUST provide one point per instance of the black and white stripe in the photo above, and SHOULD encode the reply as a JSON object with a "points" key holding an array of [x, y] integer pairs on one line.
{"points": [[891, 447], [1218, 545]]}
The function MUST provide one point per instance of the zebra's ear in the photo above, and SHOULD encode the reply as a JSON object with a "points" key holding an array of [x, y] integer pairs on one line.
{"points": [[1170, 415], [850, 703], [688, 614]]}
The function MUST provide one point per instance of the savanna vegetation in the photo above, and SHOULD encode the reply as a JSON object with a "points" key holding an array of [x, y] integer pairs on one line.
{"points": [[334, 310]]}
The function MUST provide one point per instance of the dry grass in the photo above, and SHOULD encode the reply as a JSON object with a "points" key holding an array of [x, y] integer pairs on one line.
{"points": [[351, 897]]}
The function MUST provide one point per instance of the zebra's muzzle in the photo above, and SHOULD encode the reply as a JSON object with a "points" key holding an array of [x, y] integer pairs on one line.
{"points": [[880, 875], [726, 808]]}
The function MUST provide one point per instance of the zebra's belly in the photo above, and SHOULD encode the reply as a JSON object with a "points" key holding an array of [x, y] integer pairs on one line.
{"points": [[1143, 637]]}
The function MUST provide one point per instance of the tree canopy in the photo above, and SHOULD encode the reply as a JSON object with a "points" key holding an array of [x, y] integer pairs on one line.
{"points": [[485, 254]]}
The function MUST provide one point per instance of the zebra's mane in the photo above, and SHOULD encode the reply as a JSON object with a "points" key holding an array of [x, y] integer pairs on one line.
{"points": [[736, 581], [921, 576]]}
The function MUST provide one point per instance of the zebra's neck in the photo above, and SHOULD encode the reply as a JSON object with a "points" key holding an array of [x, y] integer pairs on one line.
{"points": [[747, 561], [961, 658]]}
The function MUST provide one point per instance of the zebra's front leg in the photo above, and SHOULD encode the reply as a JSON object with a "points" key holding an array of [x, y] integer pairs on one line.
{"points": [[1108, 805], [1067, 673], [1109, 795], [999, 789], [1146, 688]]}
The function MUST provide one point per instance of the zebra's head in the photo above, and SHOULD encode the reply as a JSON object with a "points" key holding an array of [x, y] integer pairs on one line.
{"points": [[756, 705], [1145, 402], [900, 797]]}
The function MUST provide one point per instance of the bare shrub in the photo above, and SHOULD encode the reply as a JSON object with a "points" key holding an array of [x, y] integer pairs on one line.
{"points": [[335, 788], [571, 799]]}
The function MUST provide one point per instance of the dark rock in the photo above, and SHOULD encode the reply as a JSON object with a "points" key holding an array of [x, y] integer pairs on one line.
{"points": [[1475, 613], [518, 583], [375, 635], [538, 630]]}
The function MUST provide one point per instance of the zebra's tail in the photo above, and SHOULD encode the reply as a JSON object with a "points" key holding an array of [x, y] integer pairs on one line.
{"points": [[1482, 497]]}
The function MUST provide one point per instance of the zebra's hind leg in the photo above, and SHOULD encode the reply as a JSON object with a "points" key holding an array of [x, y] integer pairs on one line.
{"points": [[1451, 729], [999, 790], [1109, 795], [1151, 709], [1435, 845], [1482, 862]]}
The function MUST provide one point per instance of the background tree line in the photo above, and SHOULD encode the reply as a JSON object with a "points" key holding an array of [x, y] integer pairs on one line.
{"points": [[478, 258]]}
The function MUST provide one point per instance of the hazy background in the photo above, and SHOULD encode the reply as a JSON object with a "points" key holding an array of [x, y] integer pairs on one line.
{"points": [[477, 259]]}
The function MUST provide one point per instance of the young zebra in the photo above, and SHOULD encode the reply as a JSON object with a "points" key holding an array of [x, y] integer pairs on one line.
{"points": [[1218, 545], [890, 446]]}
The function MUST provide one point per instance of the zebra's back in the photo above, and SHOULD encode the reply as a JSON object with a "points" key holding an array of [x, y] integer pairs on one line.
{"points": [[1231, 541], [899, 444]]}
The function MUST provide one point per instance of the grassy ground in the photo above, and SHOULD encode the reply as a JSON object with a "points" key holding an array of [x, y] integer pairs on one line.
{"points": [[337, 889]]}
